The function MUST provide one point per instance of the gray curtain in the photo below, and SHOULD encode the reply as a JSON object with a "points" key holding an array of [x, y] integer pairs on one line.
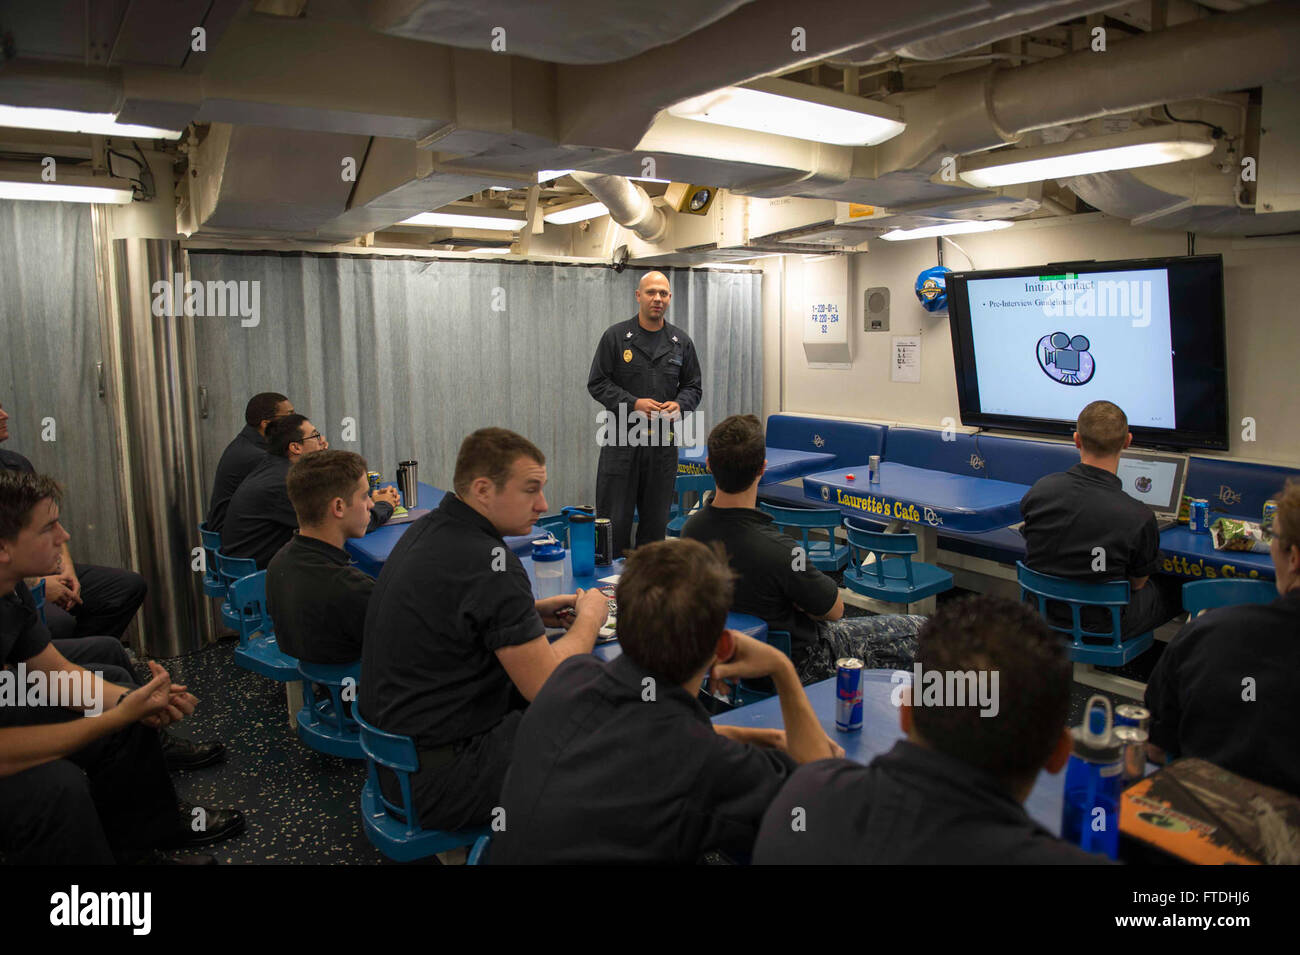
{"points": [[421, 352], [49, 313]]}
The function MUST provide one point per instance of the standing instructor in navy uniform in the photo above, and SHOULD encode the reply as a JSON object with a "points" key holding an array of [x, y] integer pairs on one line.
{"points": [[646, 375]]}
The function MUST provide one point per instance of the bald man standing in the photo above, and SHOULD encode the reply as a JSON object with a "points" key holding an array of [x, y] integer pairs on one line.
{"points": [[647, 376]]}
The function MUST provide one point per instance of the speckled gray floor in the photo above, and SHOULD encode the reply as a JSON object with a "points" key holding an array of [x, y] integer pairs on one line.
{"points": [[300, 805]]}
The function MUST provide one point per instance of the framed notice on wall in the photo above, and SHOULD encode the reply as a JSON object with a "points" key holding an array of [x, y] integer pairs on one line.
{"points": [[905, 358]]}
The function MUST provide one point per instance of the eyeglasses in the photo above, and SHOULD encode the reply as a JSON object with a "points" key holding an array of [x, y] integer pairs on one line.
{"points": [[314, 434]]}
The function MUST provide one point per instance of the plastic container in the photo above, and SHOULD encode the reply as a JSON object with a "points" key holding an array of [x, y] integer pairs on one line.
{"points": [[548, 567], [1093, 782], [582, 541]]}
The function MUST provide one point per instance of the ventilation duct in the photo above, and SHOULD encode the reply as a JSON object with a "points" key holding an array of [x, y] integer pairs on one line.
{"points": [[628, 204]]}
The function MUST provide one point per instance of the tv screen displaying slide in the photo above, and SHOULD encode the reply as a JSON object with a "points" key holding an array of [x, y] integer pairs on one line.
{"points": [[1033, 346]]}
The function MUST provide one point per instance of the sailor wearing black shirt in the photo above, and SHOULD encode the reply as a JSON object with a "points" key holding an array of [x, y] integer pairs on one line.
{"points": [[83, 600], [951, 793], [455, 643], [1068, 516], [618, 762], [316, 597], [774, 581], [77, 790], [643, 369], [261, 518], [244, 452], [1227, 689]]}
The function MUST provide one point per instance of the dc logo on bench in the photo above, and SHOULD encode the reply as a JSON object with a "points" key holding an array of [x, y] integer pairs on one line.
{"points": [[931, 518], [826, 493], [976, 462], [818, 441], [1071, 362], [1228, 496]]}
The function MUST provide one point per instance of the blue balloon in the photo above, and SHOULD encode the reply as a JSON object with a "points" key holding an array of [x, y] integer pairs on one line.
{"points": [[932, 289]]}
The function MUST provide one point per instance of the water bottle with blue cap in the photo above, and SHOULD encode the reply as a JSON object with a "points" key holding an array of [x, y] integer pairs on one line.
{"points": [[1093, 781]]}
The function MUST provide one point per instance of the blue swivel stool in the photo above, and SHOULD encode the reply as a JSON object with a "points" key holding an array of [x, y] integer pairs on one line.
{"points": [[393, 829], [1087, 648], [477, 854], [827, 556], [230, 570], [257, 650], [893, 576], [686, 485], [327, 725], [213, 585], [1202, 595], [745, 692]]}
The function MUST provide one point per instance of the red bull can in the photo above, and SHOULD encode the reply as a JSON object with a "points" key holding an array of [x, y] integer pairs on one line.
{"points": [[373, 478], [848, 694], [1130, 714], [1198, 516]]}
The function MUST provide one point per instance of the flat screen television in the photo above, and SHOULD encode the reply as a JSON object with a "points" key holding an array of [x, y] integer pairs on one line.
{"points": [[1033, 346]]}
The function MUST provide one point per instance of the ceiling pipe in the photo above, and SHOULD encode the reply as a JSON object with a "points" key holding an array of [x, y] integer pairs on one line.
{"points": [[1230, 51], [981, 109], [973, 38], [629, 205]]}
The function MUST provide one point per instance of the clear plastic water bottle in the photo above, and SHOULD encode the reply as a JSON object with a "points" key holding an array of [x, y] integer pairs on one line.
{"points": [[1093, 782], [548, 567]]}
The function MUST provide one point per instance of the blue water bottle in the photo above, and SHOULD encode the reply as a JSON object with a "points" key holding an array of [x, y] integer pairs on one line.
{"points": [[1093, 781], [582, 540]]}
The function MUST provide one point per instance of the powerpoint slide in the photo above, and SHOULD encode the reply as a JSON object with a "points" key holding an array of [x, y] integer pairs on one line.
{"points": [[1151, 482], [1046, 346]]}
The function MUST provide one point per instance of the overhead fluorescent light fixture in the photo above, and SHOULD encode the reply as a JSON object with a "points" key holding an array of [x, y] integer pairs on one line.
{"points": [[947, 228], [72, 121], [461, 220], [576, 213], [23, 181], [795, 109], [1149, 146]]}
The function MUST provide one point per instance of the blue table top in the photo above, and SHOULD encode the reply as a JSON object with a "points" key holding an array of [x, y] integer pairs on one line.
{"points": [[608, 651], [1185, 554], [783, 464], [371, 551], [880, 730], [920, 496]]}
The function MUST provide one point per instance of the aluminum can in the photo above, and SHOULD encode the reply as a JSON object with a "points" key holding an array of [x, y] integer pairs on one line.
{"points": [[1130, 714], [848, 694], [1267, 518], [1133, 748], [373, 478], [604, 542], [873, 469], [1198, 516]]}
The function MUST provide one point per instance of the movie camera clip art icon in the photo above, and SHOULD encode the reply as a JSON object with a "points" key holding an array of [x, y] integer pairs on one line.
{"points": [[1066, 360]]}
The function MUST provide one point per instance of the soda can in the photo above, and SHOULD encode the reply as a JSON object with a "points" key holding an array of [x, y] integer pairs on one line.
{"points": [[848, 694], [1198, 516], [604, 541], [373, 478], [1130, 714], [873, 469], [1133, 746], [1266, 520]]}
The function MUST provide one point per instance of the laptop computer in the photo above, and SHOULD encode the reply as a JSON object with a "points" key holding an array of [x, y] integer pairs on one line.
{"points": [[1156, 480]]}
